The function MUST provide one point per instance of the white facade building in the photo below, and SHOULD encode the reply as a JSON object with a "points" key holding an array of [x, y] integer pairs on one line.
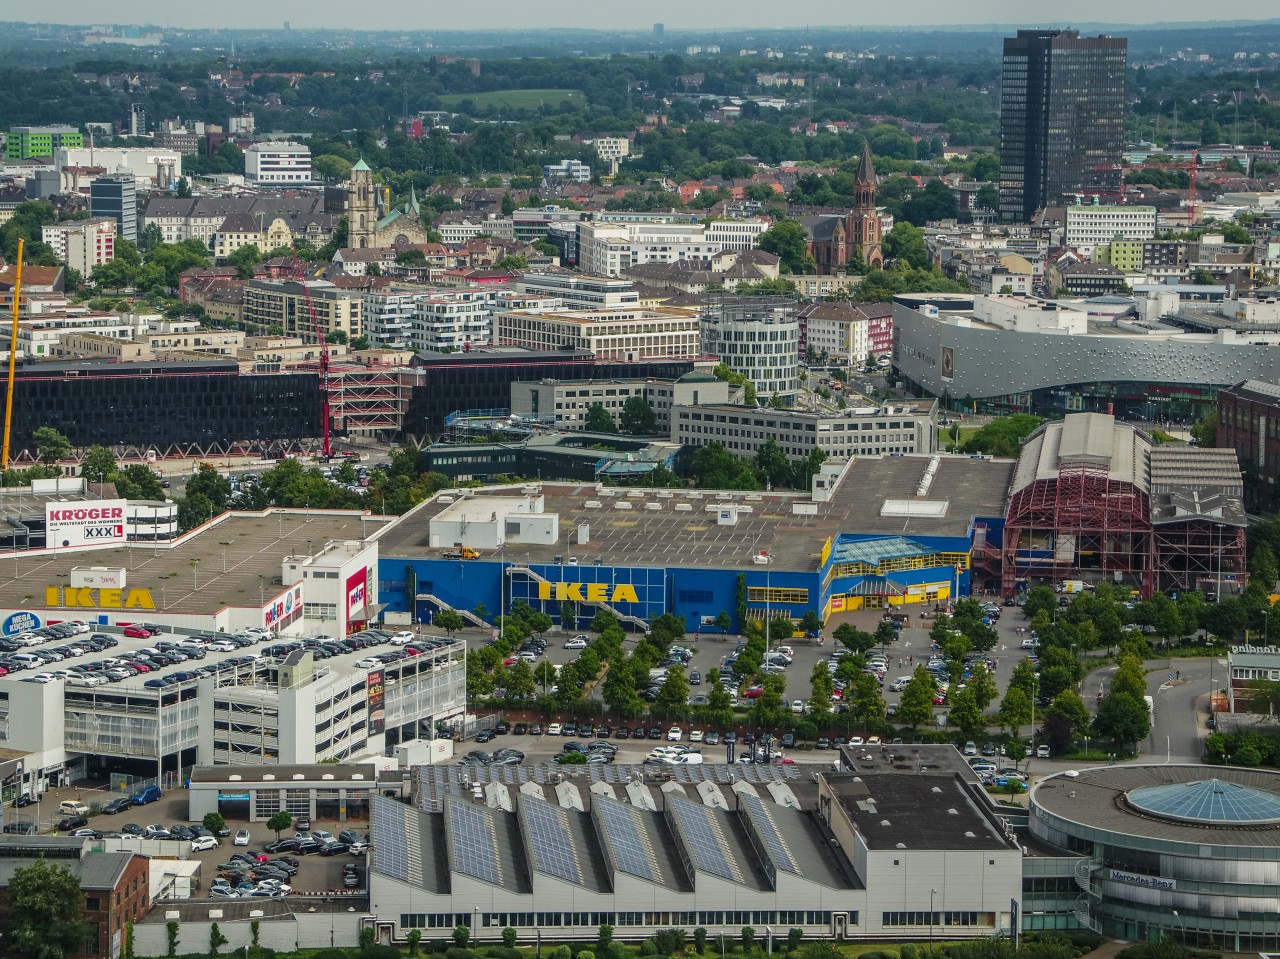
{"points": [[757, 336], [82, 244], [630, 334], [276, 163], [1091, 226], [151, 168], [579, 290], [607, 249], [574, 170]]}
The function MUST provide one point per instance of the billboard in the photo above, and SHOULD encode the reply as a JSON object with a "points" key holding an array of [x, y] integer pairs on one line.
{"points": [[377, 703], [79, 524], [284, 609], [20, 622], [357, 591]]}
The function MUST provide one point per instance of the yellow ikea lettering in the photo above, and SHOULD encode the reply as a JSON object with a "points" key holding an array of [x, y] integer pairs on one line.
{"points": [[87, 598], [588, 592]]}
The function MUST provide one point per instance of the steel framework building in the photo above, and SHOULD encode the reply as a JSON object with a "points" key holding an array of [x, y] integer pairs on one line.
{"points": [[1093, 499]]}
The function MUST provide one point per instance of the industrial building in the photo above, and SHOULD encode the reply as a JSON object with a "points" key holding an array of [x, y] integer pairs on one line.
{"points": [[886, 852], [1096, 499], [1184, 852], [1247, 414]]}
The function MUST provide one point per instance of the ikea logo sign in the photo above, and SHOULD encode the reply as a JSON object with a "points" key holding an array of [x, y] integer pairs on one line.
{"points": [[588, 592]]}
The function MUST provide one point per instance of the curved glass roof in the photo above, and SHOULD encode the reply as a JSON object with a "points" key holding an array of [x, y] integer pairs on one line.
{"points": [[1209, 802]]}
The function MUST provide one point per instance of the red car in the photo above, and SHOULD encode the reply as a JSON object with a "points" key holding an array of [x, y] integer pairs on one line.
{"points": [[753, 692], [136, 632]]}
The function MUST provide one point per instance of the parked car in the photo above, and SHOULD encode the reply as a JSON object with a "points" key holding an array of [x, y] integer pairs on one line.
{"points": [[202, 843], [242, 837]]}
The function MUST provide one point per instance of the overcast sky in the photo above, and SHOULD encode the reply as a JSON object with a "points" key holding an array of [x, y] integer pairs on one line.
{"points": [[739, 14]]}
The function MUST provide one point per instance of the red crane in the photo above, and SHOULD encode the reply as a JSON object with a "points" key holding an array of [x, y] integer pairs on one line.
{"points": [[324, 352]]}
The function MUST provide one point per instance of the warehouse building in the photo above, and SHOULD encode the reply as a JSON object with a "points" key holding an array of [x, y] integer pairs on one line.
{"points": [[888, 852], [1191, 853]]}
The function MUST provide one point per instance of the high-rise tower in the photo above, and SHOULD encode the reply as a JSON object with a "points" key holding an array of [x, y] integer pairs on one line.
{"points": [[1062, 103]]}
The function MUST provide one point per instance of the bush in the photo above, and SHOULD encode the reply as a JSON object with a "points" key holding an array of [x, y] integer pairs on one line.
{"points": [[907, 951], [438, 947], [509, 936], [380, 951], [454, 952], [648, 948], [331, 954]]}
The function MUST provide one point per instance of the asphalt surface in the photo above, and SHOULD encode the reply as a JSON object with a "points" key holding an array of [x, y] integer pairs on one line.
{"points": [[1180, 688]]}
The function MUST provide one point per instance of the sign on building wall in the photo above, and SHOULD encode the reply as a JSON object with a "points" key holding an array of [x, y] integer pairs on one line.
{"points": [[284, 610], [357, 591], [1139, 879], [20, 622], [377, 703], [79, 524]]}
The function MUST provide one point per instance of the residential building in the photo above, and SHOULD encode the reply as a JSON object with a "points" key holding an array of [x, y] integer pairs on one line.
{"points": [[758, 336], [1084, 279], [281, 162], [1248, 666], [841, 332], [899, 427], [1090, 226], [564, 403], [574, 170], [629, 334], [116, 886], [1062, 107], [82, 244], [288, 305], [265, 232], [451, 321], [579, 290], [25, 142], [116, 196], [612, 150], [532, 223], [387, 318], [200, 218]]}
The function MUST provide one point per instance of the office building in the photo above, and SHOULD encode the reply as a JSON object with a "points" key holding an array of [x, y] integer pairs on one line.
{"points": [[289, 305], [1247, 416], [1093, 225], [574, 170], [606, 249], [1062, 107], [532, 223], [580, 291], [629, 334], [758, 336], [564, 403], [25, 142], [116, 196], [278, 162], [82, 244]]}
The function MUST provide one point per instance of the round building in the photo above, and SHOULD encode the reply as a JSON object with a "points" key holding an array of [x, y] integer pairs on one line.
{"points": [[1191, 852]]}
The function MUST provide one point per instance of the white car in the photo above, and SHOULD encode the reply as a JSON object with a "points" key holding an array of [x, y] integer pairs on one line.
{"points": [[79, 626], [695, 735], [87, 679], [1042, 752], [221, 646], [674, 734], [43, 678], [576, 643], [402, 637], [797, 707], [242, 838], [201, 843], [687, 759], [369, 663], [553, 729], [276, 885], [358, 848]]}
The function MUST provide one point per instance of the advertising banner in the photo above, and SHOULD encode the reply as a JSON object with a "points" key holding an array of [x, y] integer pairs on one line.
{"points": [[20, 622], [357, 591], [77, 524], [377, 703]]}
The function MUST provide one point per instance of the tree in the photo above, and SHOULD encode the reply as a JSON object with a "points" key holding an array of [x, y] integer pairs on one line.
{"points": [[810, 623], [862, 695], [1003, 436], [719, 708], [1016, 710], [413, 937], [1129, 679], [214, 822], [461, 936], [46, 908], [51, 446], [172, 928], [1015, 750], [1123, 718], [449, 620], [216, 939], [916, 706], [638, 417], [788, 240], [673, 694], [855, 640], [906, 243], [599, 420], [520, 680], [619, 688], [279, 822], [821, 690], [509, 937], [98, 464], [966, 716]]}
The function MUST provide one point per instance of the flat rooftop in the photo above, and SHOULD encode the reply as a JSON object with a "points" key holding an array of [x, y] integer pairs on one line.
{"points": [[234, 561], [668, 537], [928, 811]]}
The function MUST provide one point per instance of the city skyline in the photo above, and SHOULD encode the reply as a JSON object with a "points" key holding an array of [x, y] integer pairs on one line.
{"points": [[506, 14]]}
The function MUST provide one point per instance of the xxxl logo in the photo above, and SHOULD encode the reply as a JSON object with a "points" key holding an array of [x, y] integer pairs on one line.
{"points": [[103, 532]]}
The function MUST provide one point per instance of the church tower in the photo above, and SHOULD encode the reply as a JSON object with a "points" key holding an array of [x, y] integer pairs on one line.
{"points": [[864, 221], [362, 208]]}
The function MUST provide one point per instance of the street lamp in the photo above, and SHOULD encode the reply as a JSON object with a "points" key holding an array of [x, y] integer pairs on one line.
{"points": [[1266, 626], [1181, 924], [932, 893]]}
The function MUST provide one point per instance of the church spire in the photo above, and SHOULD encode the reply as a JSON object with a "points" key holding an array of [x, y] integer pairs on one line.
{"points": [[866, 172]]}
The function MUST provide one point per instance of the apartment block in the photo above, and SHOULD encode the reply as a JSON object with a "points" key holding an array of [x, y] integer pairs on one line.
{"points": [[284, 304], [579, 290], [82, 244]]}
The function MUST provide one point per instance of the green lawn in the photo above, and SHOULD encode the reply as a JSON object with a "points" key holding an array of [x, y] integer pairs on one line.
{"points": [[516, 99]]}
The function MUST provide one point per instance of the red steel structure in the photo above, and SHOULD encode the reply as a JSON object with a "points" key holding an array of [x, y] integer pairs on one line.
{"points": [[1097, 501]]}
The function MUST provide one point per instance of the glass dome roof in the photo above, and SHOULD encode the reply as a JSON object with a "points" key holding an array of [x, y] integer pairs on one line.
{"points": [[1208, 802]]}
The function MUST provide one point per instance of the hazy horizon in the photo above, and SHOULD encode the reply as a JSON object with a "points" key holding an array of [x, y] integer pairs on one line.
{"points": [[508, 15]]}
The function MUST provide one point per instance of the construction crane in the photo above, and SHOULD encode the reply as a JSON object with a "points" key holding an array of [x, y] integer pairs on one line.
{"points": [[13, 357], [1192, 166], [324, 351]]}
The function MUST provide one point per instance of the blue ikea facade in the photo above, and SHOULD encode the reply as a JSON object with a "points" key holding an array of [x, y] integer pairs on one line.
{"points": [[855, 571]]}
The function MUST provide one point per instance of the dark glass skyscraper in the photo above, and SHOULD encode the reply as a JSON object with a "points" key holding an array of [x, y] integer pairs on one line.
{"points": [[1061, 118]]}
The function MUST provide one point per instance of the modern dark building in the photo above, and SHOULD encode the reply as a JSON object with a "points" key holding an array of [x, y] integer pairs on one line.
{"points": [[481, 379], [1247, 416], [202, 406], [1062, 102], [116, 196]]}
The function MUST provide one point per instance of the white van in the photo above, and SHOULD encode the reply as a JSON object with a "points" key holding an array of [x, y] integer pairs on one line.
{"points": [[29, 660]]}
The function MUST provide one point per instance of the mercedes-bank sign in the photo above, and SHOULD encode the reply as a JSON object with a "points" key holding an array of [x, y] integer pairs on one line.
{"points": [[100, 522]]}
